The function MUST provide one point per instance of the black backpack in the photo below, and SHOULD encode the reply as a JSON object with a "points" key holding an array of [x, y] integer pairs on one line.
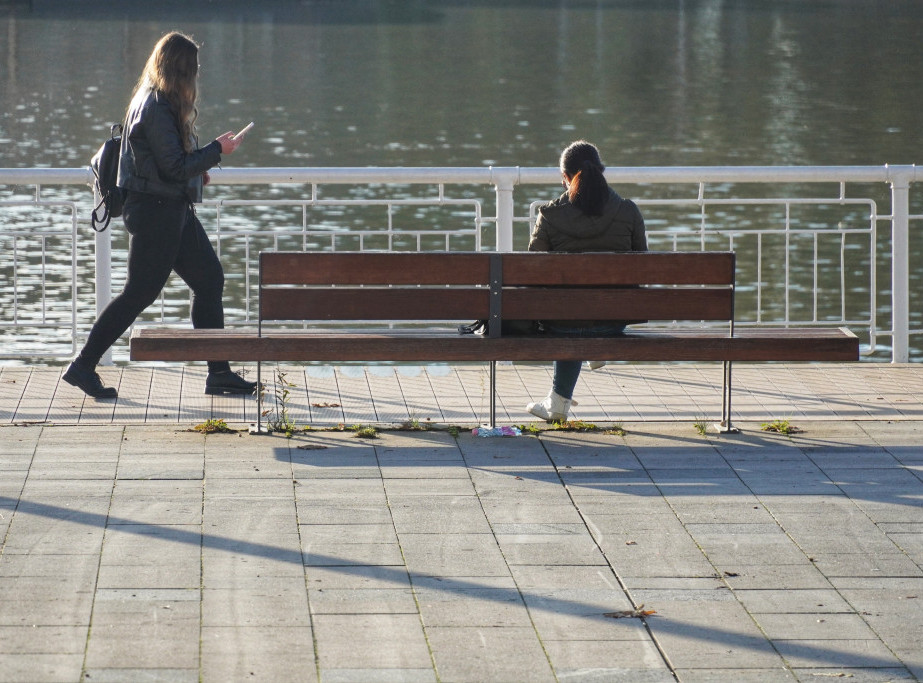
{"points": [[105, 165]]}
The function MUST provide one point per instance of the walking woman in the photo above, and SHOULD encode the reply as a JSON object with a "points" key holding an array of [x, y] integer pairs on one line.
{"points": [[589, 216], [163, 171]]}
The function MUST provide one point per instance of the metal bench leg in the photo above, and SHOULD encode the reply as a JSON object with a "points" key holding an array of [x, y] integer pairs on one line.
{"points": [[493, 394], [258, 427], [725, 427]]}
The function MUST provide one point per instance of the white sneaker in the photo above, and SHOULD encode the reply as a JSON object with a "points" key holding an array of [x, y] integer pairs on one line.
{"points": [[553, 408], [595, 364]]}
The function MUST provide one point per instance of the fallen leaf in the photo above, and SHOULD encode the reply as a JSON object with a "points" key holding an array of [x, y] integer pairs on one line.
{"points": [[631, 543], [639, 613], [325, 405], [311, 447]]}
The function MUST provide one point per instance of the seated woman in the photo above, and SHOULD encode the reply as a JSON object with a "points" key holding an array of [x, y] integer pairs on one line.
{"points": [[589, 216]]}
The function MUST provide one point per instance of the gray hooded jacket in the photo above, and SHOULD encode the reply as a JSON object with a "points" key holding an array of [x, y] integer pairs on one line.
{"points": [[563, 227]]}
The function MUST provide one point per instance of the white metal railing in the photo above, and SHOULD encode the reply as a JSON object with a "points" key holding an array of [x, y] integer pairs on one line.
{"points": [[791, 227]]}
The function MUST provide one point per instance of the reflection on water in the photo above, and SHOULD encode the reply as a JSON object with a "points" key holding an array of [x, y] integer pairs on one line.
{"points": [[478, 82], [446, 83]]}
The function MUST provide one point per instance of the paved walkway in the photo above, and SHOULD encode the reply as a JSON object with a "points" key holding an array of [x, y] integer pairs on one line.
{"points": [[326, 395], [139, 550]]}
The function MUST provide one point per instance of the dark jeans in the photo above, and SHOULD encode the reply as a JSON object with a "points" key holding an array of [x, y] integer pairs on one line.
{"points": [[166, 236], [567, 372]]}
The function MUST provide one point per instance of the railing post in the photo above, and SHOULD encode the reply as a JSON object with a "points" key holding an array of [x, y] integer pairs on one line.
{"points": [[103, 279], [900, 264], [504, 180]]}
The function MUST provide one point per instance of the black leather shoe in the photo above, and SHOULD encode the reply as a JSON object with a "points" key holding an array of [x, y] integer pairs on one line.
{"points": [[228, 382], [86, 379]]}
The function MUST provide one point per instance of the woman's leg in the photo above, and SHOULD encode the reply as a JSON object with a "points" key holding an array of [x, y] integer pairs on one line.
{"points": [[566, 374], [199, 266], [155, 225]]}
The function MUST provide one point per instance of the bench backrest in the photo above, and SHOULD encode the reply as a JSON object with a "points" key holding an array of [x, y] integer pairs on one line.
{"points": [[465, 286]]}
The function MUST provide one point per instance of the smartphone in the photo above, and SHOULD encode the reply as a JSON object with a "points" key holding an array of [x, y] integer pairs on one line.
{"points": [[244, 130]]}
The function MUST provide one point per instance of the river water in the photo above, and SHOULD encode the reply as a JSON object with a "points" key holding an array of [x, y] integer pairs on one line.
{"points": [[484, 82]]}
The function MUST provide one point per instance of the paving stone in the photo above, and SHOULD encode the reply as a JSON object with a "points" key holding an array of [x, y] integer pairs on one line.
{"points": [[788, 600], [357, 577], [488, 654], [370, 641], [263, 653], [882, 675], [815, 626], [530, 511], [548, 549], [380, 675], [430, 487], [445, 514], [537, 577], [230, 568], [54, 609], [339, 554], [47, 668], [38, 640], [606, 660], [147, 675], [362, 601], [284, 603], [144, 646], [860, 564], [706, 675], [453, 555], [837, 654], [470, 601]]}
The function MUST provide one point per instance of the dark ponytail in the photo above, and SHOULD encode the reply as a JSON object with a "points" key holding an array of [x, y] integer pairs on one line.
{"points": [[588, 190]]}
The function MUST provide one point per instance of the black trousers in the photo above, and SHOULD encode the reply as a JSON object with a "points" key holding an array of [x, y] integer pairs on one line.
{"points": [[166, 236]]}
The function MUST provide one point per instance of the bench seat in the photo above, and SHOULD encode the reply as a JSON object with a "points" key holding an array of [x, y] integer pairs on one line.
{"points": [[429, 345]]}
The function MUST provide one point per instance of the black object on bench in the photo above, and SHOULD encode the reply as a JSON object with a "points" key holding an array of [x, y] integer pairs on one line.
{"points": [[428, 293]]}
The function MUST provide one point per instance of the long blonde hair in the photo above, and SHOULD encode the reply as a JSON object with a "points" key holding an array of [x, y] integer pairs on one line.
{"points": [[173, 69]]}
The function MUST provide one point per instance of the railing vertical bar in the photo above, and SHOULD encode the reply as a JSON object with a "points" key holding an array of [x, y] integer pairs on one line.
{"points": [[103, 258], [842, 276], [900, 266], [759, 278], [788, 242]]}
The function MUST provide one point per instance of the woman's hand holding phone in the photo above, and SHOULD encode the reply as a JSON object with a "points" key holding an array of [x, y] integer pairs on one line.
{"points": [[230, 141]]}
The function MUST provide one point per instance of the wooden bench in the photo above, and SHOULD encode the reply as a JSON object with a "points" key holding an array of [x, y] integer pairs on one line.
{"points": [[409, 306]]}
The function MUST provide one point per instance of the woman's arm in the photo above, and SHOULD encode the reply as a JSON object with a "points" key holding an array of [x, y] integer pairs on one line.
{"points": [[174, 163], [539, 241]]}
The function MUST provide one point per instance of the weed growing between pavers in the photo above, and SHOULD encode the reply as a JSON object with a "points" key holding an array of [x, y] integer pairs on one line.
{"points": [[780, 427], [364, 431], [214, 426], [280, 420], [413, 424], [536, 429], [287, 427], [701, 426]]}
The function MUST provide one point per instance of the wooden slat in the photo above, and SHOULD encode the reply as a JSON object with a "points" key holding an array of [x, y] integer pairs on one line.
{"points": [[629, 268], [370, 268], [374, 304], [534, 303], [796, 344]]}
